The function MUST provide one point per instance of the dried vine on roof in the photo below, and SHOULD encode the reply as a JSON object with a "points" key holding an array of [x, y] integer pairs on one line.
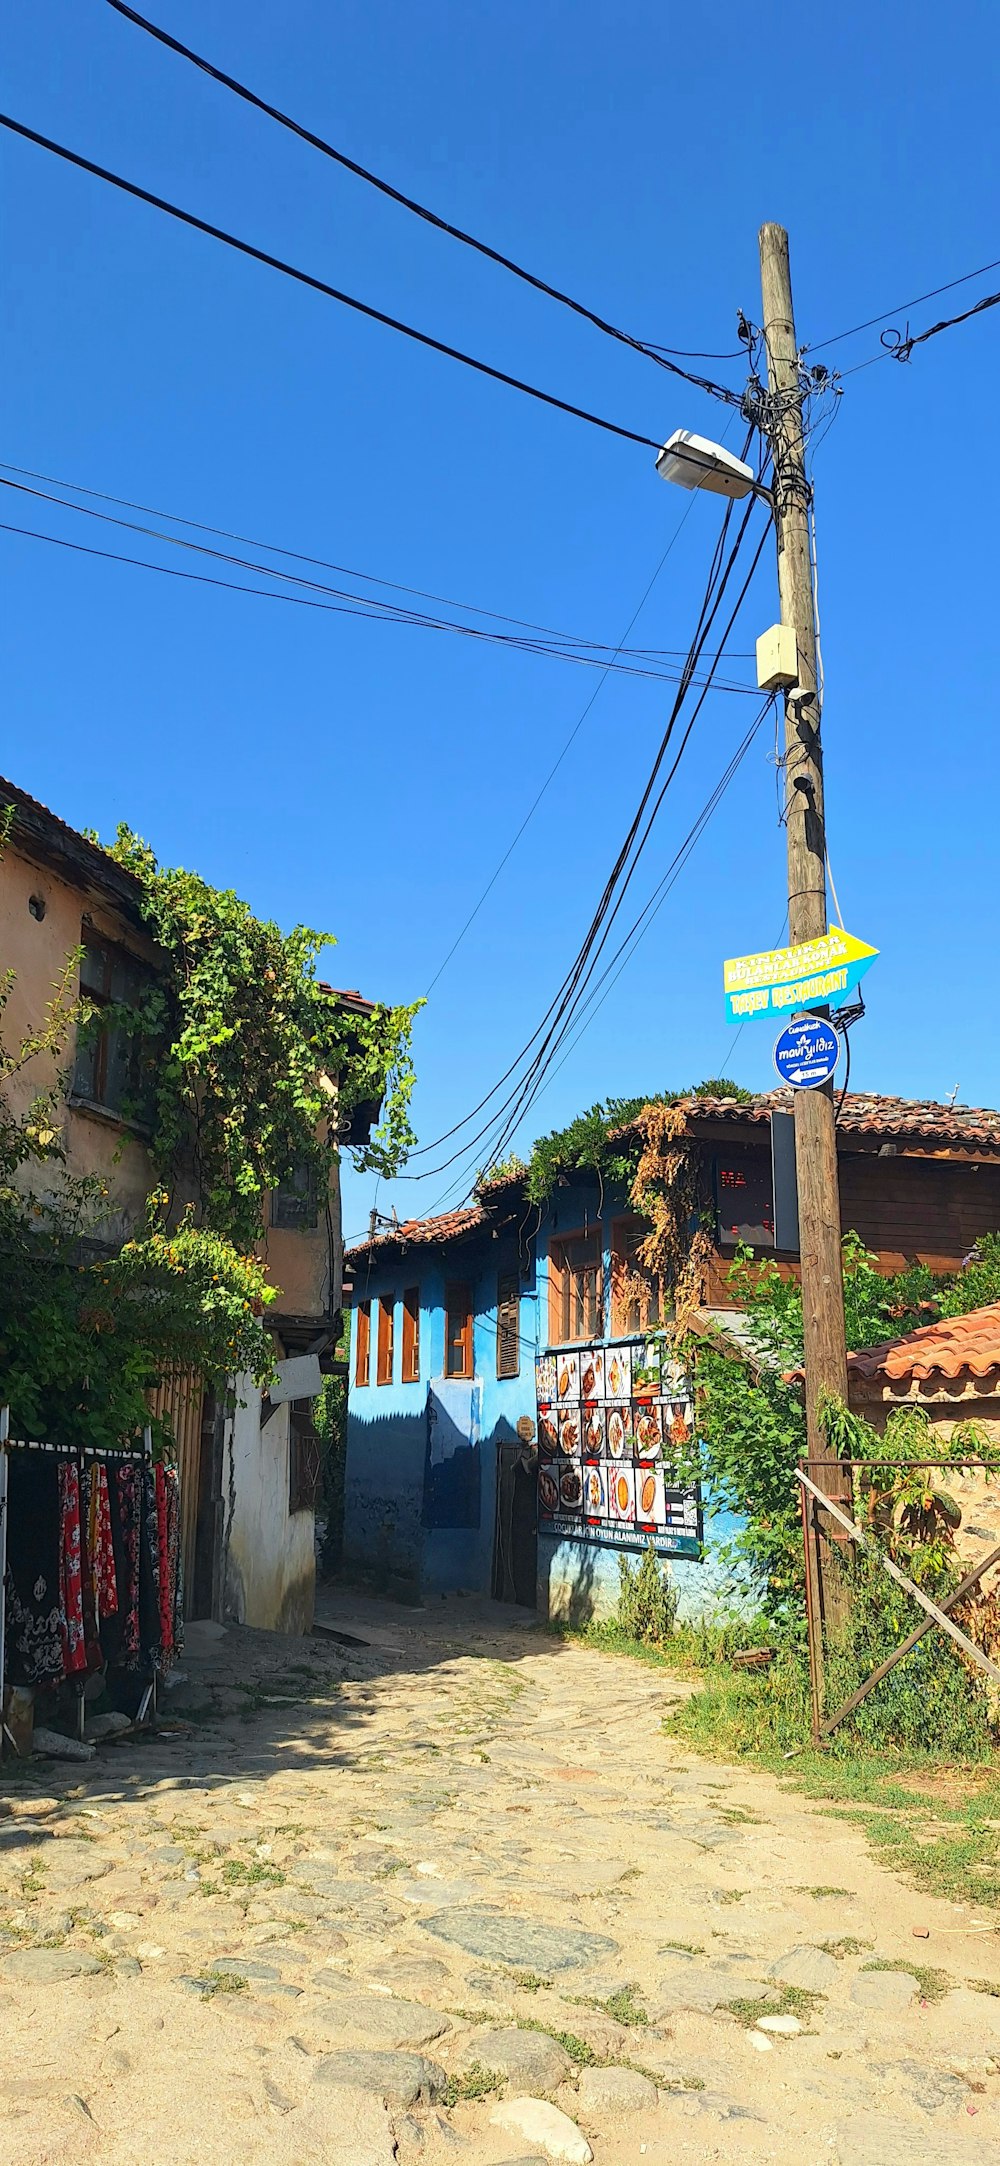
{"points": [[666, 1190]]}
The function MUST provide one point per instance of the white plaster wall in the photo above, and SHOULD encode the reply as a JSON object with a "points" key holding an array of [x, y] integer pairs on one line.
{"points": [[270, 1555]]}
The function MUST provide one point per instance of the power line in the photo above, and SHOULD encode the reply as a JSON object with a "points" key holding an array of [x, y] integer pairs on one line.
{"points": [[363, 606], [653, 352], [583, 970], [557, 763], [637, 932], [320, 285], [903, 348], [899, 307], [424, 1149], [348, 571], [558, 1017]]}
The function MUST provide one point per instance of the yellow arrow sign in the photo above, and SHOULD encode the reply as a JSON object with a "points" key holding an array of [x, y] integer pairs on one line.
{"points": [[779, 980]]}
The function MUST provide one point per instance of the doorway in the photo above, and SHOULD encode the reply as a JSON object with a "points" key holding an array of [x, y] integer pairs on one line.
{"points": [[515, 1546]]}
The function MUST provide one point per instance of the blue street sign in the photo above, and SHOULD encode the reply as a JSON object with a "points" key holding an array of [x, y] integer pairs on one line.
{"points": [[807, 1053]]}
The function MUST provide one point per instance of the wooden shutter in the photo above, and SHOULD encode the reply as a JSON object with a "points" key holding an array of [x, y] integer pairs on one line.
{"points": [[458, 1329], [508, 1324], [386, 1314], [411, 1335], [362, 1345]]}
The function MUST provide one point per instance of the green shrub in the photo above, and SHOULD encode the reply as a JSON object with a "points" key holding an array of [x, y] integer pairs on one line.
{"points": [[647, 1603]]}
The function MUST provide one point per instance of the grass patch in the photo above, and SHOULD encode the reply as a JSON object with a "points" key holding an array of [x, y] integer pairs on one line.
{"points": [[933, 1818], [477, 2082], [220, 1981], [785, 2001], [625, 2006], [529, 1981], [847, 1945], [239, 1873], [577, 2048], [821, 1892], [934, 1984], [683, 1947], [984, 1985], [731, 1895]]}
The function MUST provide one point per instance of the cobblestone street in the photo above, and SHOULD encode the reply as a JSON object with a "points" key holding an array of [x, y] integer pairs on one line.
{"points": [[439, 1888]]}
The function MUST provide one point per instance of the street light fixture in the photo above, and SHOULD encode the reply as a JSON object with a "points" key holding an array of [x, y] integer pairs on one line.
{"points": [[696, 463]]}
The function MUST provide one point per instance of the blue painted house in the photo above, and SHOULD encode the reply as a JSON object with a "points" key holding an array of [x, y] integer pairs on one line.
{"points": [[511, 1414]]}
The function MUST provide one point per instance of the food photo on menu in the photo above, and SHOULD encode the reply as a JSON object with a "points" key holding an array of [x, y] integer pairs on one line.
{"points": [[567, 1377], [594, 1432], [646, 1370], [592, 1373], [569, 1431], [623, 1494], [648, 1431], [618, 1372], [545, 1378], [548, 1491], [548, 1435]]}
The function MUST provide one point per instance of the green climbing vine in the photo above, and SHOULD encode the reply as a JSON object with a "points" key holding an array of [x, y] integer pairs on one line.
{"points": [[594, 1141], [258, 1067]]}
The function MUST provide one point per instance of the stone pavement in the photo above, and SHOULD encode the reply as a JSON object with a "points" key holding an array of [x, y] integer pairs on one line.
{"points": [[440, 1889]]}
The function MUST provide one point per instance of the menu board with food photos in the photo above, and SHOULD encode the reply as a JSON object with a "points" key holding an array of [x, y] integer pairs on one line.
{"points": [[612, 1422]]}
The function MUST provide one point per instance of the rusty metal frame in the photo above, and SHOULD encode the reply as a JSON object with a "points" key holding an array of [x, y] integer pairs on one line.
{"points": [[814, 1501]]}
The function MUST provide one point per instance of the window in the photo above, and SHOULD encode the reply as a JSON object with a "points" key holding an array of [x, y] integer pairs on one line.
{"points": [[411, 1335], [294, 1205], [576, 1306], [635, 1301], [458, 1330], [305, 1454], [386, 1315], [745, 1199], [508, 1324], [114, 1067], [362, 1345]]}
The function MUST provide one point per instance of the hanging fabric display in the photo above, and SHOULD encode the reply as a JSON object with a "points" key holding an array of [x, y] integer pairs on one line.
{"points": [[34, 1612], [90, 1560], [71, 1568]]}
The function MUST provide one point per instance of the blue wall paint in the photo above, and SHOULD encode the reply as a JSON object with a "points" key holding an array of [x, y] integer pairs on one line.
{"points": [[420, 1489], [406, 1480]]}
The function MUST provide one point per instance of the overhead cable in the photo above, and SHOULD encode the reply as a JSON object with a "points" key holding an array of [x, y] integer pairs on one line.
{"points": [[898, 308], [655, 353], [320, 285], [557, 646], [556, 1022], [344, 603], [903, 347]]}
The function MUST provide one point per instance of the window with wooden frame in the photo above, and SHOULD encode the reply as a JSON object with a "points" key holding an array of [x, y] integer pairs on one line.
{"points": [[508, 1324], [576, 1288], [458, 1329], [295, 1201], [411, 1335], [115, 1066], [386, 1333], [305, 1455], [635, 1290], [363, 1345]]}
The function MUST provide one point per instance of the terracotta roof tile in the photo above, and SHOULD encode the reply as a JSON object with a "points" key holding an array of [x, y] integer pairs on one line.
{"points": [[922, 1120], [955, 1346], [412, 1232]]}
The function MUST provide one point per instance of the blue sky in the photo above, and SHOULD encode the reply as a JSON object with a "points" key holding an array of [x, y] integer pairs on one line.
{"points": [[367, 778]]}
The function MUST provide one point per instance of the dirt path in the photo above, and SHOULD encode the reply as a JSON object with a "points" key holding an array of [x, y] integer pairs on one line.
{"points": [[300, 1930]]}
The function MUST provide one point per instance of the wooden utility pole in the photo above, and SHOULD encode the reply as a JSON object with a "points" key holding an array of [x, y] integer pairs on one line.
{"points": [[815, 1129]]}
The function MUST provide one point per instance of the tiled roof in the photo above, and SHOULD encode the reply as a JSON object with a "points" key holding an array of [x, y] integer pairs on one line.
{"points": [[922, 1120], [955, 1346], [37, 822], [414, 1231]]}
